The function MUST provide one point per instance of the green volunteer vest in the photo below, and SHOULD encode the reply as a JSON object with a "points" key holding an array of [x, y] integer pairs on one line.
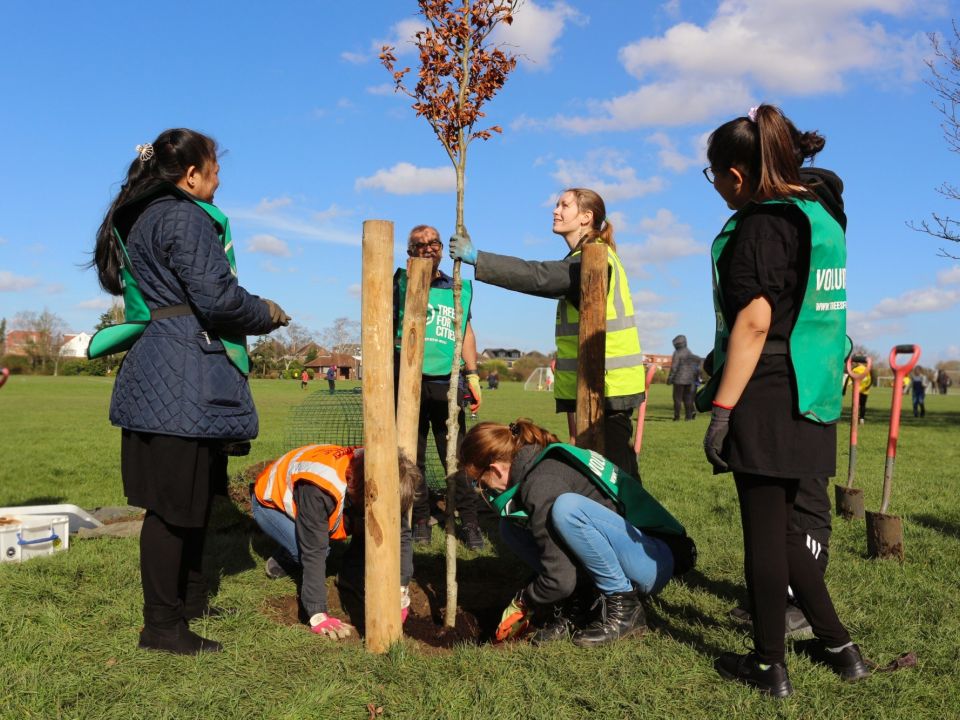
{"points": [[633, 502], [438, 335], [818, 343], [121, 337], [624, 373]]}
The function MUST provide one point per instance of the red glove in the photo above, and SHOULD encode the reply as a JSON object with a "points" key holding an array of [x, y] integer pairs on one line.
{"points": [[515, 623], [333, 628]]}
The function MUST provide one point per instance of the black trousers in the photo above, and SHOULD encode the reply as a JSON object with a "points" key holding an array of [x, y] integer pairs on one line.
{"points": [[434, 412], [683, 394], [618, 440], [775, 556], [174, 587]]}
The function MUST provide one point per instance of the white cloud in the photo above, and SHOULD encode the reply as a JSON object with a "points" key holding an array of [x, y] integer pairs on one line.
{"points": [[402, 37], [949, 277], [354, 290], [673, 159], [671, 8], [354, 58], [922, 300], [55, 289], [646, 298], [408, 179], [382, 89], [606, 172], [282, 216], [14, 283], [751, 49], [650, 325], [268, 245], [535, 32], [97, 303], [667, 239]]}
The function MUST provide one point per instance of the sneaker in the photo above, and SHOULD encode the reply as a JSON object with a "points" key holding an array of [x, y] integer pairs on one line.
{"points": [[746, 669], [274, 569], [421, 532], [472, 537], [848, 663], [795, 624]]}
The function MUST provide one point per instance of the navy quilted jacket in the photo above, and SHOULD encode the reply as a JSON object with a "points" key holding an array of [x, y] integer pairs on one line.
{"points": [[177, 379]]}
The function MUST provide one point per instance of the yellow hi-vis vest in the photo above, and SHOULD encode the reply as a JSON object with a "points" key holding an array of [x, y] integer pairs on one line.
{"points": [[623, 365], [322, 465]]}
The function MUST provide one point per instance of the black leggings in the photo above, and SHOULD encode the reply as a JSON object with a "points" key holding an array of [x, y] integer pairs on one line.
{"points": [[170, 570], [775, 555]]}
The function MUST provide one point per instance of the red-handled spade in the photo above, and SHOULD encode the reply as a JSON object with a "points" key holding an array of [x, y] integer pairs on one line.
{"points": [[885, 532], [642, 411], [849, 500], [4, 374]]}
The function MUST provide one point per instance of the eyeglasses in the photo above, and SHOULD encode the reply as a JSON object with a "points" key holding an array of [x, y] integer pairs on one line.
{"points": [[429, 245], [709, 174]]}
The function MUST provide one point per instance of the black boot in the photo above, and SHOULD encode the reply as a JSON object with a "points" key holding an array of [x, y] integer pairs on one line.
{"points": [[621, 615], [848, 663], [178, 639], [557, 625], [746, 669]]}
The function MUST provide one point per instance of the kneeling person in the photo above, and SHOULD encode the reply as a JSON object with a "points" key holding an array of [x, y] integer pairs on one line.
{"points": [[563, 511], [312, 495]]}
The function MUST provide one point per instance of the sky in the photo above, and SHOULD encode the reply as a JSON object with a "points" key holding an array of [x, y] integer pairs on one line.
{"points": [[618, 96]]}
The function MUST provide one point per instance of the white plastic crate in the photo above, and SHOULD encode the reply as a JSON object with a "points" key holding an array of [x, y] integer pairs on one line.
{"points": [[25, 537]]}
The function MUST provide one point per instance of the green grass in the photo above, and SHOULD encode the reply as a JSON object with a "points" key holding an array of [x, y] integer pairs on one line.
{"points": [[69, 623]]}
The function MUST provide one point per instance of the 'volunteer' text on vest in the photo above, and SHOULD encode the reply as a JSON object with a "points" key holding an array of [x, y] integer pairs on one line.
{"points": [[623, 365], [633, 502], [121, 337], [322, 465], [818, 343], [438, 335]]}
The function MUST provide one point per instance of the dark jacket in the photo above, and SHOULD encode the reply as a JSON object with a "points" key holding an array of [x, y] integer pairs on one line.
{"points": [[538, 491], [177, 379], [684, 366], [828, 187]]}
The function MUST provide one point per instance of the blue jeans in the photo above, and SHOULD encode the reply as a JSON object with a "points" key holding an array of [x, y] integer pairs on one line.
{"points": [[614, 552], [278, 526]]}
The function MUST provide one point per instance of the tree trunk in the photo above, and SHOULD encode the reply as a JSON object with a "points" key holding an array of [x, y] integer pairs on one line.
{"points": [[592, 352]]}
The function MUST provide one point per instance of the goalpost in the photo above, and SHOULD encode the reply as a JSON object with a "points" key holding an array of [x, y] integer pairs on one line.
{"points": [[540, 379]]}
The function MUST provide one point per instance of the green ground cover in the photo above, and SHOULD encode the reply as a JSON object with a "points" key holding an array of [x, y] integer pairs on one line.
{"points": [[69, 623]]}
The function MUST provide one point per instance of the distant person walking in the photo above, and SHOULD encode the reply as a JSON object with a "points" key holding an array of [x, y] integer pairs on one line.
{"points": [[304, 380], [918, 388], [332, 378], [181, 395], [944, 381], [684, 376]]}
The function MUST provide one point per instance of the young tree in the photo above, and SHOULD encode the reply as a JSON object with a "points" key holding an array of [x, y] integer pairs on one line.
{"points": [[945, 82], [343, 336], [458, 75], [46, 339]]}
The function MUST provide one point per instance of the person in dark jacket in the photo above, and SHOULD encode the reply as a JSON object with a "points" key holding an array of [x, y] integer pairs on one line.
{"points": [[181, 400], [575, 539], [775, 392], [684, 376]]}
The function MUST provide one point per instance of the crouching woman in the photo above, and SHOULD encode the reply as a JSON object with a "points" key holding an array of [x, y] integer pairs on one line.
{"points": [[583, 525]]}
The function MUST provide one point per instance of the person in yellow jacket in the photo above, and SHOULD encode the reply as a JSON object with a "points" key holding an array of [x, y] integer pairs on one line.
{"points": [[580, 216], [310, 496]]}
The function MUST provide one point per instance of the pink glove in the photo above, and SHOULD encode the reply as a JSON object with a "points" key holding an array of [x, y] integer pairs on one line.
{"points": [[333, 628], [404, 603]]}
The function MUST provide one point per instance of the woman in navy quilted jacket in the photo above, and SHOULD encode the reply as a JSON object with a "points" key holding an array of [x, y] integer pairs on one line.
{"points": [[181, 395]]}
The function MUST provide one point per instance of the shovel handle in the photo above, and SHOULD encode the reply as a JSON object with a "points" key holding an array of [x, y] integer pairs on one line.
{"points": [[912, 350], [642, 410]]}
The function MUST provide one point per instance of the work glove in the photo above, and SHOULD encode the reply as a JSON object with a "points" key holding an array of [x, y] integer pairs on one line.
{"points": [[516, 621], [333, 628], [716, 433], [404, 603], [277, 316], [473, 382], [461, 248]]}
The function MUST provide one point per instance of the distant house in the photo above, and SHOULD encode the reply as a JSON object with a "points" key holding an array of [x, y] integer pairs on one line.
{"points": [[508, 355], [663, 361], [19, 340], [75, 346], [348, 366]]}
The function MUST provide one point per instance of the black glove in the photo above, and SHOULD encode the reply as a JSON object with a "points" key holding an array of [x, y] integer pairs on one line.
{"points": [[716, 434], [277, 315]]}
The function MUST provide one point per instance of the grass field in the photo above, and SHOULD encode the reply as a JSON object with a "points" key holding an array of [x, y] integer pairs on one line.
{"points": [[69, 623]]}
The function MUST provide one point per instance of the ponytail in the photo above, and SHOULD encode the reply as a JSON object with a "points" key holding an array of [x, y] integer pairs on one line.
{"points": [[489, 442], [165, 161]]}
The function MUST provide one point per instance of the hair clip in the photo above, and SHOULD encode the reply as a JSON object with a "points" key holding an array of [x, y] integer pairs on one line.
{"points": [[145, 151], [514, 429], [752, 114]]}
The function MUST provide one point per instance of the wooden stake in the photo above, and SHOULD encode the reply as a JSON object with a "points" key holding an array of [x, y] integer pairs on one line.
{"points": [[381, 476], [411, 354], [592, 353]]}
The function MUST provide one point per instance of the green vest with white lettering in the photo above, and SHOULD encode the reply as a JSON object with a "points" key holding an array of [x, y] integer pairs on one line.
{"points": [[623, 359], [818, 343], [121, 337], [633, 502], [438, 334]]}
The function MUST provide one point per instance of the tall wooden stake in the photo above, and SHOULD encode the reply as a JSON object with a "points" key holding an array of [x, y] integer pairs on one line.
{"points": [[381, 477], [592, 352]]}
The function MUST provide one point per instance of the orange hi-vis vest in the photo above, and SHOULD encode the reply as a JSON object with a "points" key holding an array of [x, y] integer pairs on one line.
{"points": [[322, 465]]}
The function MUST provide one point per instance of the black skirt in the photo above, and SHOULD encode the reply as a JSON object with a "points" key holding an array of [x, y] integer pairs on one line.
{"points": [[175, 477]]}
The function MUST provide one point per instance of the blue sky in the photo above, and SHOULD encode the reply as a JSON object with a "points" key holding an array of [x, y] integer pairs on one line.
{"points": [[617, 96]]}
